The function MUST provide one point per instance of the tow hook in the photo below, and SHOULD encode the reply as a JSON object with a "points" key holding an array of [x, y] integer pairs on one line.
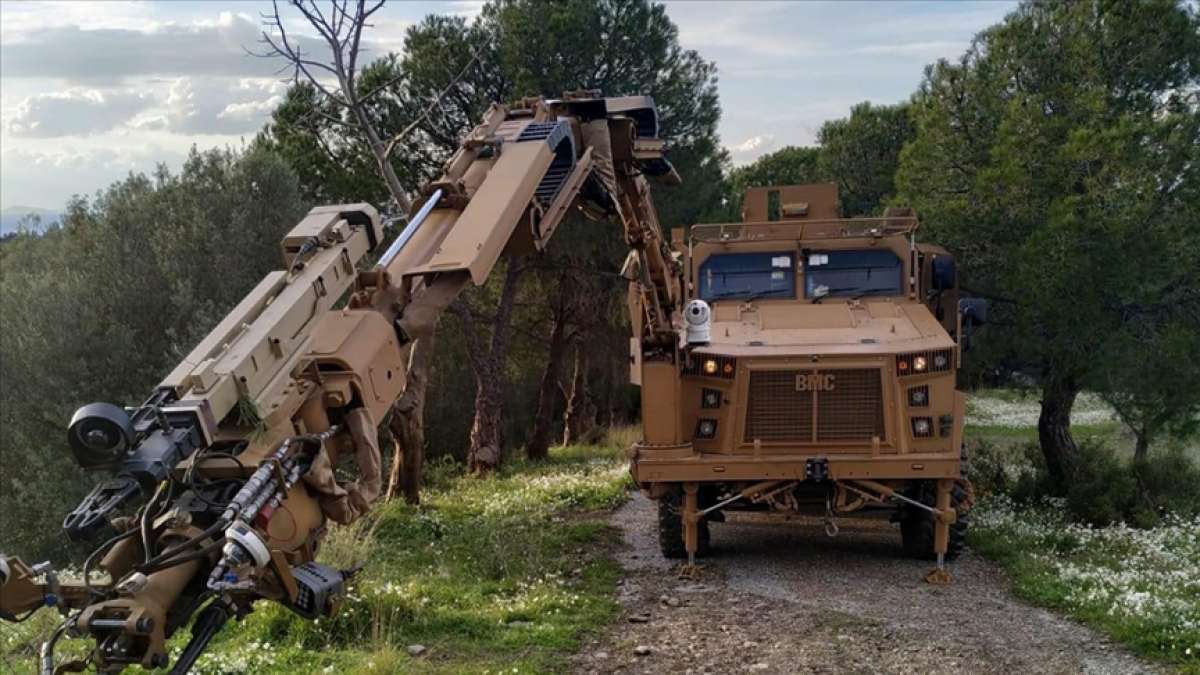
{"points": [[817, 469], [831, 528]]}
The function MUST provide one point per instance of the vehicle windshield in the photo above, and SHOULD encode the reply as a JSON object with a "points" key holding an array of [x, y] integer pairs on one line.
{"points": [[746, 276], [852, 273]]}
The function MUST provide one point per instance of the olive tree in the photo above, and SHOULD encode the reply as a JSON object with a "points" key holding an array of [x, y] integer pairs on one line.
{"points": [[1057, 158]]}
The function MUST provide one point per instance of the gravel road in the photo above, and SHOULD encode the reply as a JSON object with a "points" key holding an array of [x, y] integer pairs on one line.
{"points": [[783, 597]]}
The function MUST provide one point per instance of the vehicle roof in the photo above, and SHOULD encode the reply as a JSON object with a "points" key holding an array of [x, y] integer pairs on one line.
{"points": [[804, 230]]}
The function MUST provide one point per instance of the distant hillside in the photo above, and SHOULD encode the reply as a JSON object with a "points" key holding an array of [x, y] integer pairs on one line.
{"points": [[10, 217]]}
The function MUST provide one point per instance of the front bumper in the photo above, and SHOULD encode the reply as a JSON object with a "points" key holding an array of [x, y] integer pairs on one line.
{"points": [[681, 464]]}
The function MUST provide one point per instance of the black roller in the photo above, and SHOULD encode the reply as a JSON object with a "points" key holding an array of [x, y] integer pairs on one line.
{"points": [[99, 435]]}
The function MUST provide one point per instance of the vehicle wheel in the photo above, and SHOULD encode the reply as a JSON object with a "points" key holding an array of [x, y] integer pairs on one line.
{"points": [[916, 525], [670, 528]]}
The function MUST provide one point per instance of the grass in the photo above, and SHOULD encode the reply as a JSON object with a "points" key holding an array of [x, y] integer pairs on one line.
{"points": [[1142, 587], [1110, 431], [1010, 415], [504, 573]]}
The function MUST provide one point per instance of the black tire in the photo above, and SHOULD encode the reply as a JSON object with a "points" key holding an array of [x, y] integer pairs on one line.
{"points": [[917, 526], [670, 528]]}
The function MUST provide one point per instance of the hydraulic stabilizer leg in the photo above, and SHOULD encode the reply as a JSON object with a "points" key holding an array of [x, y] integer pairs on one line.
{"points": [[941, 532], [206, 626], [691, 522]]}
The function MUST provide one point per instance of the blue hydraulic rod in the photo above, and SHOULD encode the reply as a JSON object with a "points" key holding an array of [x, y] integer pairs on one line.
{"points": [[410, 229]]}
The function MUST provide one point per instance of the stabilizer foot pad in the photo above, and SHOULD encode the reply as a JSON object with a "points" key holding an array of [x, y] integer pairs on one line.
{"points": [[690, 572], [938, 576]]}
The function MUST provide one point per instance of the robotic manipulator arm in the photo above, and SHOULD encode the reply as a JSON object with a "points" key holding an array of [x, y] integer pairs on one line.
{"points": [[223, 479]]}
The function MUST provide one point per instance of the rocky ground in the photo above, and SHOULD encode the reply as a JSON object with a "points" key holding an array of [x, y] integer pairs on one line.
{"points": [[784, 597]]}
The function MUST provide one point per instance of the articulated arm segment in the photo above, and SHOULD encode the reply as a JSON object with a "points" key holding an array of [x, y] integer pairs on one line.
{"points": [[21, 593], [512, 180], [255, 418]]}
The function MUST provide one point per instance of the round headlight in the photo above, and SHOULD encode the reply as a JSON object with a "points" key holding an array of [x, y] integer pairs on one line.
{"points": [[919, 364], [921, 427], [940, 360], [708, 428], [918, 396], [710, 366]]}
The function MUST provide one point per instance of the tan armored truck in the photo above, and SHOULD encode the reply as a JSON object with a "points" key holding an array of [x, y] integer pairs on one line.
{"points": [[817, 376]]}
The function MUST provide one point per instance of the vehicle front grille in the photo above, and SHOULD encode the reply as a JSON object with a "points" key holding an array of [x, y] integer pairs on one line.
{"points": [[848, 406]]}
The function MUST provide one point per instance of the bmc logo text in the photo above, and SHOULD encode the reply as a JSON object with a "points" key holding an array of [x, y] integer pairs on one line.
{"points": [[814, 382]]}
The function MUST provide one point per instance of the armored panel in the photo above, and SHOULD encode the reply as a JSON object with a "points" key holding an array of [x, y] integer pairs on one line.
{"points": [[790, 202], [362, 346]]}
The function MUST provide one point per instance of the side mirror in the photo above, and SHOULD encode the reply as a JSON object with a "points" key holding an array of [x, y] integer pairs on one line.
{"points": [[974, 311], [974, 314], [943, 273]]}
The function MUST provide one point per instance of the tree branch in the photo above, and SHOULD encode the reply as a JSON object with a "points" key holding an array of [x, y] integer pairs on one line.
{"points": [[391, 144]]}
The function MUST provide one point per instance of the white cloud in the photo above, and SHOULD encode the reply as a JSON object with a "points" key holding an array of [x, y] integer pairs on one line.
{"points": [[21, 19], [752, 148], [75, 112], [753, 143], [753, 29], [250, 110], [207, 47], [216, 106], [61, 173], [785, 68], [467, 8]]}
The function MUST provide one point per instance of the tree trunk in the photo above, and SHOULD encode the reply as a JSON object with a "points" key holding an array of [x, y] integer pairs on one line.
{"points": [[378, 148], [1054, 426], [484, 452], [538, 445], [580, 414], [408, 424], [1141, 449]]}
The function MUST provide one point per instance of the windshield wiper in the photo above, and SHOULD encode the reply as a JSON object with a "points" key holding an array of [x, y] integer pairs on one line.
{"points": [[867, 291], [748, 298], [859, 292]]}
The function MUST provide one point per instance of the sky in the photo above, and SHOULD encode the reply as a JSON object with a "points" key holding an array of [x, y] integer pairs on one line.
{"points": [[90, 91]]}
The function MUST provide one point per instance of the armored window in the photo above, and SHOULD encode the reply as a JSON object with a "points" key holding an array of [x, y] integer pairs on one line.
{"points": [[852, 273], [743, 276]]}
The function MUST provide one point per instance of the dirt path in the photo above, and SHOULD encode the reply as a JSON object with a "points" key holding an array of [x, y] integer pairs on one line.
{"points": [[786, 598]]}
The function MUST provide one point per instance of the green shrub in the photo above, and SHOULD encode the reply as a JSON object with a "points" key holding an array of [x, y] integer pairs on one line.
{"points": [[1104, 488], [1171, 481]]}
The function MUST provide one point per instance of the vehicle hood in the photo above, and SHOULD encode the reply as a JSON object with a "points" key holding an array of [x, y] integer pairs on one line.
{"points": [[776, 328]]}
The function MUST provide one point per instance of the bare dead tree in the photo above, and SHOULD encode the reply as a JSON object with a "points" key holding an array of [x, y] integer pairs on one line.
{"points": [[341, 28]]}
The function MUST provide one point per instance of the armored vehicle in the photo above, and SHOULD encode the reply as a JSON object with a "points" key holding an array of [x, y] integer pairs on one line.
{"points": [[817, 376]]}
